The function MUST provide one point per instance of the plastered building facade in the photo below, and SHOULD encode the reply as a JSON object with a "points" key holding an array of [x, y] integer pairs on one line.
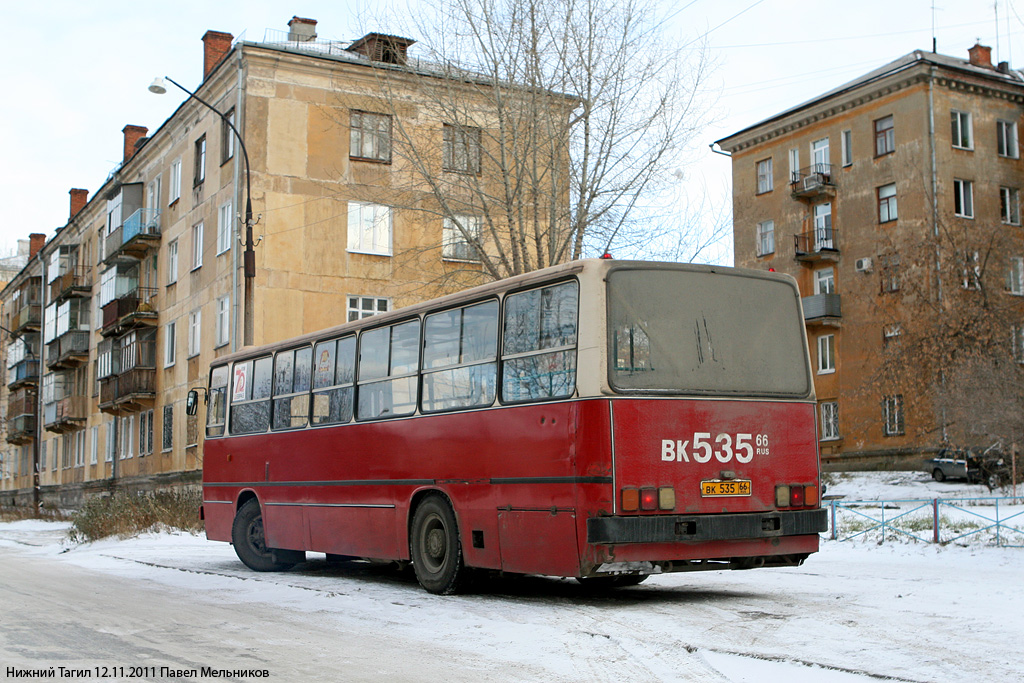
{"points": [[863, 194], [120, 313]]}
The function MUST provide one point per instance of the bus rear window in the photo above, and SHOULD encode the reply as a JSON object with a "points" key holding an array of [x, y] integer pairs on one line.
{"points": [[700, 332]]}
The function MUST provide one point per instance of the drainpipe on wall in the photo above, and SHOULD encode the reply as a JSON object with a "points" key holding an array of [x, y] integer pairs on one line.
{"points": [[935, 221], [37, 442], [239, 116]]}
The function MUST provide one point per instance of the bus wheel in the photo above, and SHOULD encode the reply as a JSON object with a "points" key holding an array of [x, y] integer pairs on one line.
{"points": [[250, 545], [617, 581], [435, 547]]}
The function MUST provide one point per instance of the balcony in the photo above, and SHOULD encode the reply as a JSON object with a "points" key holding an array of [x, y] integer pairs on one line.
{"points": [[21, 429], [823, 309], [134, 309], [26, 319], [22, 402], [138, 235], [69, 350], [820, 244], [812, 183], [77, 282], [23, 373], [65, 414], [131, 391]]}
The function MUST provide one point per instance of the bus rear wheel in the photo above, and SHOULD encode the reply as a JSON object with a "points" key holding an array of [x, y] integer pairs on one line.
{"points": [[435, 547], [250, 543]]}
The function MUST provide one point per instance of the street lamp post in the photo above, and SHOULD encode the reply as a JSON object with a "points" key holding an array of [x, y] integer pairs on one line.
{"points": [[249, 262]]}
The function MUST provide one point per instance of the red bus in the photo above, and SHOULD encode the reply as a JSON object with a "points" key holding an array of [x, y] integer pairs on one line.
{"points": [[603, 420]]}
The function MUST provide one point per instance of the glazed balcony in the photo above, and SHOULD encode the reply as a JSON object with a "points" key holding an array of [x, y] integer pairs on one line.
{"points": [[77, 282], [65, 414], [139, 234], [69, 350], [22, 374], [22, 402], [26, 319], [134, 309], [823, 310], [813, 183], [820, 244], [131, 391], [21, 429]]}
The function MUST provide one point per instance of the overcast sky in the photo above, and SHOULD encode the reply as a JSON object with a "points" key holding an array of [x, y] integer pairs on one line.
{"points": [[75, 73]]}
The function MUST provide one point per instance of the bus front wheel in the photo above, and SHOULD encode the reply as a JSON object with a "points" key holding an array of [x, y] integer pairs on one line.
{"points": [[250, 543], [435, 547]]}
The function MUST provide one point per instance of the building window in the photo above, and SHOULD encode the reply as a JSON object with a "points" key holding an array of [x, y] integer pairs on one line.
{"points": [[971, 276], [963, 198], [820, 160], [145, 433], [369, 136], [892, 415], [1015, 276], [360, 307], [175, 189], [1006, 139], [960, 122], [887, 203], [94, 445], [125, 437], [111, 440], [224, 225], [885, 136], [1017, 342], [826, 354], [461, 244], [227, 137], [195, 319], [223, 327], [825, 281], [765, 181], [794, 165], [765, 238], [891, 333], [169, 344], [197, 245], [1009, 205], [829, 421], [890, 272], [167, 429], [369, 228], [461, 149], [847, 140], [200, 162], [823, 237], [172, 262]]}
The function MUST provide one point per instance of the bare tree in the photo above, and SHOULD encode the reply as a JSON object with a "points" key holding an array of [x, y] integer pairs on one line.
{"points": [[565, 124]]}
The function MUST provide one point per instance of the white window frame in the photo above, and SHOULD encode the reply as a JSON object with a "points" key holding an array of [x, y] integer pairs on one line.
{"points": [[1015, 276], [110, 444], [172, 262], [175, 190], [821, 158], [891, 332], [224, 225], [961, 129], [223, 321], [195, 330], [963, 198], [887, 209], [455, 247], [847, 144], [826, 354], [825, 281], [197, 246], [1009, 205], [369, 228], [829, 412], [766, 238], [892, 415], [1006, 139], [794, 165], [765, 176], [972, 270], [94, 444], [357, 309], [170, 343], [1017, 342]]}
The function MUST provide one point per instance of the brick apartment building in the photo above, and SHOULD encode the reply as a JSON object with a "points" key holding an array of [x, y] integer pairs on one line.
{"points": [[119, 314], [891, 198]]}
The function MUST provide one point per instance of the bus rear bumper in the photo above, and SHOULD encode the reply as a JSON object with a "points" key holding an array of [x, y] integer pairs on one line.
{"points": [[701, 528]]}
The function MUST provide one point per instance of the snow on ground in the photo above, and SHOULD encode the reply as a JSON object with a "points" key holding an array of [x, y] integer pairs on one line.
{"points": [[854, 612]]}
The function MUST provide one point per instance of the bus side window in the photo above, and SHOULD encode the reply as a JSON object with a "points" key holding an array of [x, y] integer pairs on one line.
{"points": [[291, 389], [217, 408], [388, 371], [539, 351], [459, 358], [333, 373], [250, 396]]}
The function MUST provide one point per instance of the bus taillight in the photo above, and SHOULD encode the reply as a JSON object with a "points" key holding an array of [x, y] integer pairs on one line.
{"points": [[648, 499], [630, 500], [796, 496], [663, 498]]}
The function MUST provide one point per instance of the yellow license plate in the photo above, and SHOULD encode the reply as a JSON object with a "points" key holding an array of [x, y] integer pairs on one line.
{"points": [[736, 487]]}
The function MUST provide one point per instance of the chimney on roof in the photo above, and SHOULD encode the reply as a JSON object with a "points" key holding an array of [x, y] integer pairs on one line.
{"points": [[36, 240], [215, 46], [1003, 67], [79, 198], [980, 55], [379, 47], [301, 30], [132, 134]]}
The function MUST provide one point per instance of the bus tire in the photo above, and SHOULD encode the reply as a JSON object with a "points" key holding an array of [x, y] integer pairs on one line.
{"points": [[250, 543], [435, 547]]}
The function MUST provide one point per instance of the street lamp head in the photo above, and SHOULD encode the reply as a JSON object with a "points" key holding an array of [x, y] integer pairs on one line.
{"points": [[158, 86]]}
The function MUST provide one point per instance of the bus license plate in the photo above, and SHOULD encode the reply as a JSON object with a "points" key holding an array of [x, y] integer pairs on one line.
{"points": [[737, 487]]}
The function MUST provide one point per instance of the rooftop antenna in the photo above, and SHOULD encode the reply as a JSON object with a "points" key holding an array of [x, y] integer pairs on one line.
{"points": [[995, 10], [934, 41]]}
